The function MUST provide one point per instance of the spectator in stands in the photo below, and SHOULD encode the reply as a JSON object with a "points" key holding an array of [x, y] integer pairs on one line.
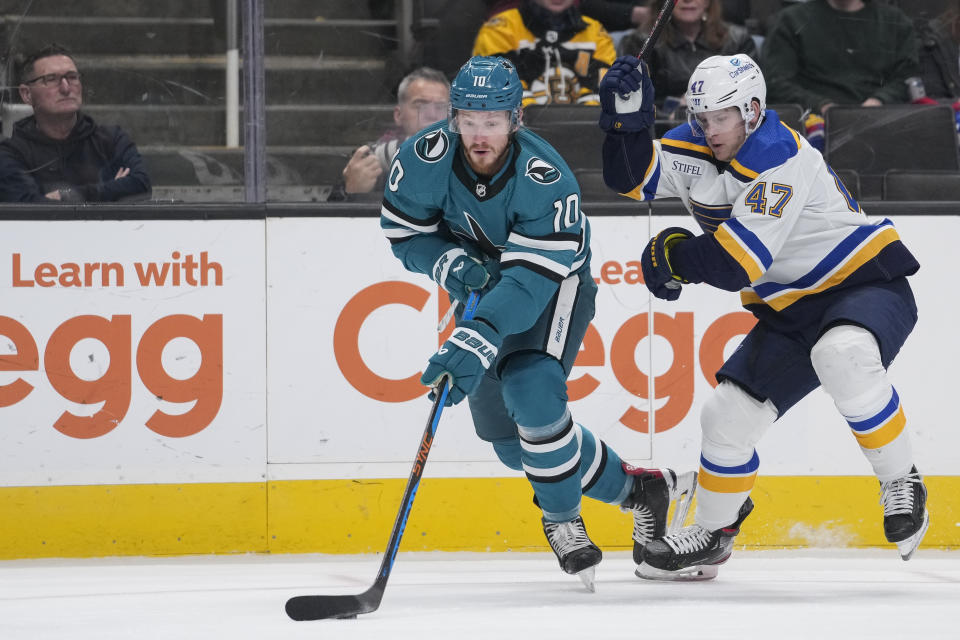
{"points": [[60, 153], [938, 51], [695, 32], [826, 52], [559, 53], [423, 98], [614, 15]]}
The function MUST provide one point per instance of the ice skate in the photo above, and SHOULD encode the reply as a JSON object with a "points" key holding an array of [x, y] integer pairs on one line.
{"points": [[574, 550], [650, 498], [905, 517], [693, 553]]}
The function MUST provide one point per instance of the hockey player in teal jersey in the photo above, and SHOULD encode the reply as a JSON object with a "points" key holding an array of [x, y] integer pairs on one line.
{"points": [[827, 285], [478, 203]]}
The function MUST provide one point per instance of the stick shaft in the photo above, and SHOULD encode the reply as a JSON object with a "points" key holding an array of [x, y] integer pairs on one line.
{"points": [[317, 607], [662, 19]]}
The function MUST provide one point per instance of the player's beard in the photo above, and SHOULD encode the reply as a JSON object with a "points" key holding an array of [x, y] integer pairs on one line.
{"points": [[491, 161]]}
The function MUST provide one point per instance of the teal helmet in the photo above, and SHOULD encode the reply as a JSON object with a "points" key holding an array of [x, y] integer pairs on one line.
{"points": [[486, 83]]}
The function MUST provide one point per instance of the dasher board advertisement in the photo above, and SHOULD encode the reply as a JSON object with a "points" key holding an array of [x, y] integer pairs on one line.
{"points": [[132, 352], [350, 332]]}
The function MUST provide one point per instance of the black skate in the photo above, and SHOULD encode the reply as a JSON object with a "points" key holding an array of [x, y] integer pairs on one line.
{"points": [[693, 553], [576, 552], [650, 498], [905, 517]]}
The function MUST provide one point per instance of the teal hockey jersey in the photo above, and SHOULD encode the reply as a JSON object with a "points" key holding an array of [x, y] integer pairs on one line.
{"points": [[524, 223]]}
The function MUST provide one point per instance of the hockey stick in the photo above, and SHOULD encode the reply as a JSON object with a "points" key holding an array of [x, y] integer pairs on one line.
{"points": [[321, 607], [662, 19]]}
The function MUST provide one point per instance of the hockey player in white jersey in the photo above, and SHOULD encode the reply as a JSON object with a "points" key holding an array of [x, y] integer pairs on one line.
{"points": [[480, 203], [828, 288]]}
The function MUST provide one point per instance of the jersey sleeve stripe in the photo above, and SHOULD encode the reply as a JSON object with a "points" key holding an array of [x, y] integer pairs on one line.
{"points": [[535, 268], [553, 242], [861, 246], [742, 173], [647, 189], [686, 148], [744, 247], [394, 215], [399, 233], [527, 259]]}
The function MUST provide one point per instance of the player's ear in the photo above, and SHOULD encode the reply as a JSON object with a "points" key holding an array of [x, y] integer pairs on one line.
{"points": [[755, 107], [396, 115]]}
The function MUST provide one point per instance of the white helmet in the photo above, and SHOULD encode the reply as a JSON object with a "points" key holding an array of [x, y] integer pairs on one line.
{"points": [[726, 81]]}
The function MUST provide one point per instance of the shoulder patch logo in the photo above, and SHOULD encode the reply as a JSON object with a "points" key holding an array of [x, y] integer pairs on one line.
{"points": [[430, 147], [542, 171]]}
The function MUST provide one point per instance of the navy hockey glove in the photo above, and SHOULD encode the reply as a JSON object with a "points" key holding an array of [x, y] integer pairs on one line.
{"points": [[459, 274], [626, 96], [464, 357], [655, 262]]}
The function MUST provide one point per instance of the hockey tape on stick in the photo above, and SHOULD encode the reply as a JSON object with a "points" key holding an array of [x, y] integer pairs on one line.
{"points": [[448, 316]]}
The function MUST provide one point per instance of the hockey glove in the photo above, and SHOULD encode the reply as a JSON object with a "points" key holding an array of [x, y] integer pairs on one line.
{"points": [[464, 357], [626, 96], [459, 274], [655, 263]]}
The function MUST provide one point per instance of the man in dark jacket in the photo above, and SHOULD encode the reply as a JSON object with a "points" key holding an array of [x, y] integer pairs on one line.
{"points": [[59, 153], [826, 52]]}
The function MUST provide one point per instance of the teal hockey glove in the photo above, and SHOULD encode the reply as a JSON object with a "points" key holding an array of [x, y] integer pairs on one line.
{"points": [[459, 274], [626, 97], [655, 263], [464, 357]]}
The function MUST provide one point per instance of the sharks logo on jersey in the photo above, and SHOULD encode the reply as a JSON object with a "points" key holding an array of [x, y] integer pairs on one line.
{"points": [[542, 171], [432, 146]]}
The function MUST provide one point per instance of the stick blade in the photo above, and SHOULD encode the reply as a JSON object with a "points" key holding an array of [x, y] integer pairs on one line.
{"points": [[303, 608]]}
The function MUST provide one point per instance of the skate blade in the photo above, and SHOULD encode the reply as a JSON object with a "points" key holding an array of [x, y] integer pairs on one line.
{"points": [[908, 546], [682, 495], [588, 578], [690, 574]]}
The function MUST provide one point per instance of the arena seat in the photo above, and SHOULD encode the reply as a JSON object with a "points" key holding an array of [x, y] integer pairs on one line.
{"points": [[571, 129], [851, 180], [875, 140], [921, 185], [790, 114]]}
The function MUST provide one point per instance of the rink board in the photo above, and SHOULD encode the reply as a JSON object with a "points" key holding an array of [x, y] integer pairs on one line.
{"points": [[222, 386]]}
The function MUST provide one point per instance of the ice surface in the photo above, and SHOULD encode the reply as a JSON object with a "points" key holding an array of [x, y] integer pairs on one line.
{"points": [[758, 594]]}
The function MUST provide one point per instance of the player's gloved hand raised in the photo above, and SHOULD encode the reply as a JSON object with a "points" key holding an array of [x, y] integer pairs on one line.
{"points": [[655, 263], [459, 274], [626, 96], [464, 357]]}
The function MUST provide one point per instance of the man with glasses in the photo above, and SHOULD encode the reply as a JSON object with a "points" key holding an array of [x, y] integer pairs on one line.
{"points": [[60, 153], [422, 99]]}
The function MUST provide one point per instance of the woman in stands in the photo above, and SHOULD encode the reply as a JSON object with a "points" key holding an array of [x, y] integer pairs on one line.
{"points": [[695, 32]]}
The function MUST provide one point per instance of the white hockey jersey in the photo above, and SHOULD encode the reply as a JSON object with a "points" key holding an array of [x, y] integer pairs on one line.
{"points": [[777, 209]]}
